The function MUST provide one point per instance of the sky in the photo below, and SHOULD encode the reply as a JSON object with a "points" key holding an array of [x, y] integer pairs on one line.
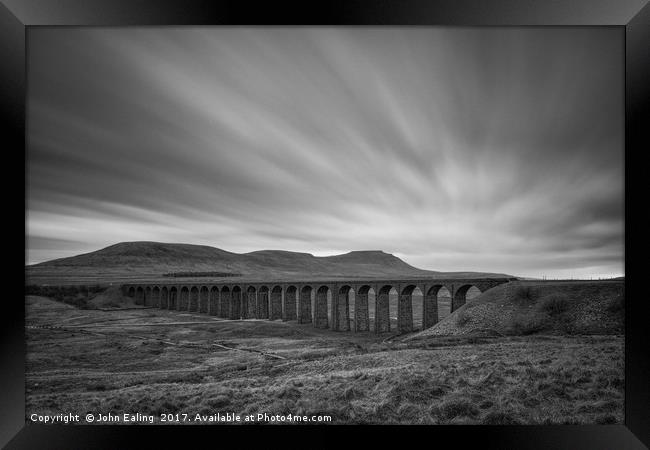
{"points": [[455, 149]]}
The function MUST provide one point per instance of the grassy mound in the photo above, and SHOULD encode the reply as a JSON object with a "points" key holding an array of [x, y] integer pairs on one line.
{"points": [[529, 307], [112, 298], [84, 297]]}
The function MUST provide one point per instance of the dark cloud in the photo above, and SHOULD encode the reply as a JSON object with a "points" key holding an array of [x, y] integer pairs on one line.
{"points": [[456, 149]]}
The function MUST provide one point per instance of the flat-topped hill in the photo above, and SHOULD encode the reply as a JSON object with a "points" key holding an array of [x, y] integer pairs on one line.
{"points": [[130, 261]]}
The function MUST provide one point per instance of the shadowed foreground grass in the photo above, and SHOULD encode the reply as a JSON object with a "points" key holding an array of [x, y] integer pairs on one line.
{"points": [[113, 362]]}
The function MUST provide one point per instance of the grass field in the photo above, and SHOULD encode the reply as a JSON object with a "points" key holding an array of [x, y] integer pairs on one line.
{"points": [[154, 362]]}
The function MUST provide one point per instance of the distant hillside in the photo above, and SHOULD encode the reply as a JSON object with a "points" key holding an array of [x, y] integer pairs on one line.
{"points": [[529, 307], [130, 260]]}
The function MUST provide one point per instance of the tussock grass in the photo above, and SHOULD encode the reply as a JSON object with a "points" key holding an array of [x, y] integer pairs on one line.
{"points": [[462, 318], [452, 408], [524, 325], [616, 304], [500, 418], [553, 304], [447, 380], [524, 293]]}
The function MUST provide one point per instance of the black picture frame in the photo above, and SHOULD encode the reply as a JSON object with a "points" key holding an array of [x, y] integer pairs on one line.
{"points": [[633, 16]]}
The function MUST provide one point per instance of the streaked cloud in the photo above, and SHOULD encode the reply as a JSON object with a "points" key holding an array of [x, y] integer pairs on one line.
{"points": [[454, 148]]}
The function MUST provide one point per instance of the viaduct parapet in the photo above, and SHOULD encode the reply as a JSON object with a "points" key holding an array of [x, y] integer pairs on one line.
{"points": [[338, 305]]}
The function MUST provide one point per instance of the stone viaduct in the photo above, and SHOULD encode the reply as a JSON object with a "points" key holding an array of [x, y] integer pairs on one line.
{"points": [[293, 300]]}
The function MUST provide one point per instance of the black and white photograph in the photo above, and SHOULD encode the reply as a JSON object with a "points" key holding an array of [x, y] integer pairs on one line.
{"points": [[324, 225]]}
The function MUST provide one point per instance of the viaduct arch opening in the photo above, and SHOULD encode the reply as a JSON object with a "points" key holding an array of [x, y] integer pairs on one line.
{"points": [[251, 302], [139, 296], [235, 303], [173, 298], [164, 298], [409, 309], [322, 307], [155, 297], [224, 303], [304, 306], [263, 303], [194, 299], [463, 294], [213, 308], [147, 297], [184, 300], [382, 309], [204, 297], [362, 310], [290, 303], [276, 303]]}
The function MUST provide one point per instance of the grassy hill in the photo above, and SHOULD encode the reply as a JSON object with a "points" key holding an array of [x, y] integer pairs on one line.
{"points": [[145, 260], [548, 307]]}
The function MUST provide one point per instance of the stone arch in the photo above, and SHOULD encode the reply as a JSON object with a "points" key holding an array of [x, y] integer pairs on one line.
{"points": [[405, 308], [213, 307], [139, 296], [330, 297], [244, 313], [321, 310], [173, 298], [155, 297], [304, 305], [393, 301], [263, 302], [184, 299], [164, 298], [224, 302], [417, 300], [289, 308], [131, 292], [147, 296], [204, 296], [194, 299], [430, 306], [460, 296], [361, 308], [352, 306], [382, 309], [235, 303], [251, 302], [474, 292], [443, 300], [276, 303], [341, 321]]}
